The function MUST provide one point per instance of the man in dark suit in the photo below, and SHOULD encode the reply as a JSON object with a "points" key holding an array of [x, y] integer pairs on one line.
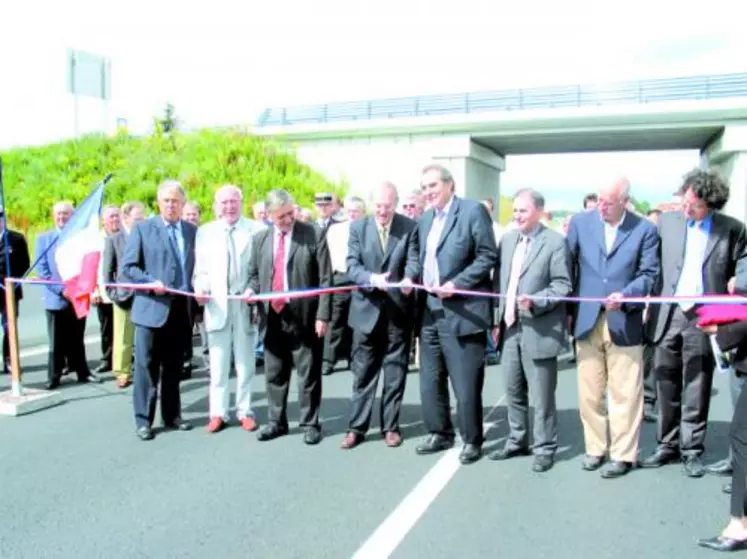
{"points": [[615, 254], [700, 250], [535, 265], [17, 263], [64, 328], [289, 256], [457, 251], [382, 248], [160, 251], [123, 331], [338, 338]]}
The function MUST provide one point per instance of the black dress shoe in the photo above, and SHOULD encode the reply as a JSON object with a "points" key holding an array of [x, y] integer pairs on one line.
{"points": [[145, 433], [661, 457], [508, 452], [272, 431], [542, 463], [693, 466], [720, 468], [435, 443], [720, 543], [52, 384], [103, 368], [313, 435], [726, 488], [179, 425], [470, 453], [592, 463], [615, 469]]}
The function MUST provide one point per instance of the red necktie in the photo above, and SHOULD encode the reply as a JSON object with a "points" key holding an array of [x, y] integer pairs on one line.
{"points": [[278, 274]]}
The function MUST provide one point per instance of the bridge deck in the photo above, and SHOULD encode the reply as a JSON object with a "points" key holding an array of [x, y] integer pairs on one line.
{"points": [[687, 88]]}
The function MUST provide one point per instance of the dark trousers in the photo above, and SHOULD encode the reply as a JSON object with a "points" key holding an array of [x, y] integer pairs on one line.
{"points": [[529, 380], [6, 338], [461, 359], [649, 377], [106, 327], [158, 361], [338, 339], [66, 347], [738, 440], [385, 350], [286, 345], [683, 365]]}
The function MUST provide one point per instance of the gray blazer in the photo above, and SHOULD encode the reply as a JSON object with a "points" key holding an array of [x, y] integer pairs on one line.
{"points": [[114, 247], [546, 272], [726, 245]]}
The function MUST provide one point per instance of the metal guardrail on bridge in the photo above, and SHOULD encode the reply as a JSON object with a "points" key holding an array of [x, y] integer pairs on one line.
{"points": [[692, 88]]}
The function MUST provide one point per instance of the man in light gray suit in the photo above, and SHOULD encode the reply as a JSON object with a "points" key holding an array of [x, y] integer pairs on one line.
{"points": [[534, 268]]}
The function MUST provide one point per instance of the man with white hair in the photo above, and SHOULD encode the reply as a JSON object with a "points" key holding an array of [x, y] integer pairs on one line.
{"points": [[160, 253], [65, 330], [222, 258]]}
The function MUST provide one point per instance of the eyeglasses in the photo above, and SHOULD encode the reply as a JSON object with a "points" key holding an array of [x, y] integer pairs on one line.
{"points": [[408, 206]]}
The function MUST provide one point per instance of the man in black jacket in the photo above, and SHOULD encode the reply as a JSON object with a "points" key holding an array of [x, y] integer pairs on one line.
{"points": [[14, 259]]}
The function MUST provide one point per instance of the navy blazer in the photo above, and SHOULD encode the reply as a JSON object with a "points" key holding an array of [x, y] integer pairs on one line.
{"points": [[631, 268], [46, 269], [147, 258], [466, 256]]}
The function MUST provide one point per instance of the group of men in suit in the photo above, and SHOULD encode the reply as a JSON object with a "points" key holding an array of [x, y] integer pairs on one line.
{"points": [[609, 254]]}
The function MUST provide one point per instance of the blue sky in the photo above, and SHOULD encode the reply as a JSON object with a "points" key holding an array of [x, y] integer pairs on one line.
{"points": [[223, 62]]}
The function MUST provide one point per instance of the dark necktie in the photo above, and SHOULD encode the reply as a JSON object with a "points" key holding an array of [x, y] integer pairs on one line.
{"points": [[177, 255]]}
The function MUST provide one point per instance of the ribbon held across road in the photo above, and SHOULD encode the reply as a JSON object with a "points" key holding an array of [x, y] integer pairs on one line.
{"points": [[735, 300]]}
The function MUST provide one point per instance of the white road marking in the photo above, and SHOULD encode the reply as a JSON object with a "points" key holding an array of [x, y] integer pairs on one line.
{"points": [[38, 350], [398, 524]]}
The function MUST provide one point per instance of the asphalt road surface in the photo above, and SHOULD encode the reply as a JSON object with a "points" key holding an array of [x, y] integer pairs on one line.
{"points": [[76, 482]]}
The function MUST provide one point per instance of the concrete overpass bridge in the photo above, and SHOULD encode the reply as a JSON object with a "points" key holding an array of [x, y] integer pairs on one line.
{"points": [[472, 133]]}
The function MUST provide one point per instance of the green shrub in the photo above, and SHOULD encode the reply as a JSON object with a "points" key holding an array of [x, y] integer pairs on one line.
{"points": [[37, 177]]}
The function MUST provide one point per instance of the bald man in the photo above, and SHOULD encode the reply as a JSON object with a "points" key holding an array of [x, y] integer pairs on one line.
{"points": [[615, 254]]}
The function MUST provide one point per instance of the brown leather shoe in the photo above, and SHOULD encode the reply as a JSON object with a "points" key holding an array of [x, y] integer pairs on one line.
{"points": [[351, 440], [392, 439]]}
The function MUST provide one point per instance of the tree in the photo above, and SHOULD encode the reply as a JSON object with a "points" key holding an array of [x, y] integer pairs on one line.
{"points": [[169, 121]]}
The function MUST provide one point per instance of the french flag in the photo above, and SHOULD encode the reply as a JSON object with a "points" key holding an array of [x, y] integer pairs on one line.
{"points": [[79, 249]]}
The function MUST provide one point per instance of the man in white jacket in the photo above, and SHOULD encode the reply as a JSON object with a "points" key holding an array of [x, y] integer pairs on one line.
{"points": [[222, 258]]}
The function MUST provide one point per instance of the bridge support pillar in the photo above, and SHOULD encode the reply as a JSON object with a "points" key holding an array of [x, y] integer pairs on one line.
{"points": [[476, 169], [727, 155]]}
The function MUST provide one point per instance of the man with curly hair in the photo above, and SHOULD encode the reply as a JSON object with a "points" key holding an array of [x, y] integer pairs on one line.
{"points": [[700, 248]]}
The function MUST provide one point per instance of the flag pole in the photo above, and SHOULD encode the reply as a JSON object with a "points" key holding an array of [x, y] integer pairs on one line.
{"points": [[10, 322], [107, 178]]}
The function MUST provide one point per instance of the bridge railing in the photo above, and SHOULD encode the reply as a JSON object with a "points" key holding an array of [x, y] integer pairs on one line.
{"points": [[690, 88]]}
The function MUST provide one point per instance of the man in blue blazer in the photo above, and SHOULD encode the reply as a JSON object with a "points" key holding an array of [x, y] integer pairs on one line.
{"points": [[64, 329], [615, 254], [160, 251]]}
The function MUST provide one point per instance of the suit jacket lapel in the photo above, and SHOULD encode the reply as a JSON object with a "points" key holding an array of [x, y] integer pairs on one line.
{"points": [[373, 244], [450, 221], [713, 236], [535, 245], [511, 240], [395, 231], [622, 233], [681, 236], [295, 240], [426, 224]]}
